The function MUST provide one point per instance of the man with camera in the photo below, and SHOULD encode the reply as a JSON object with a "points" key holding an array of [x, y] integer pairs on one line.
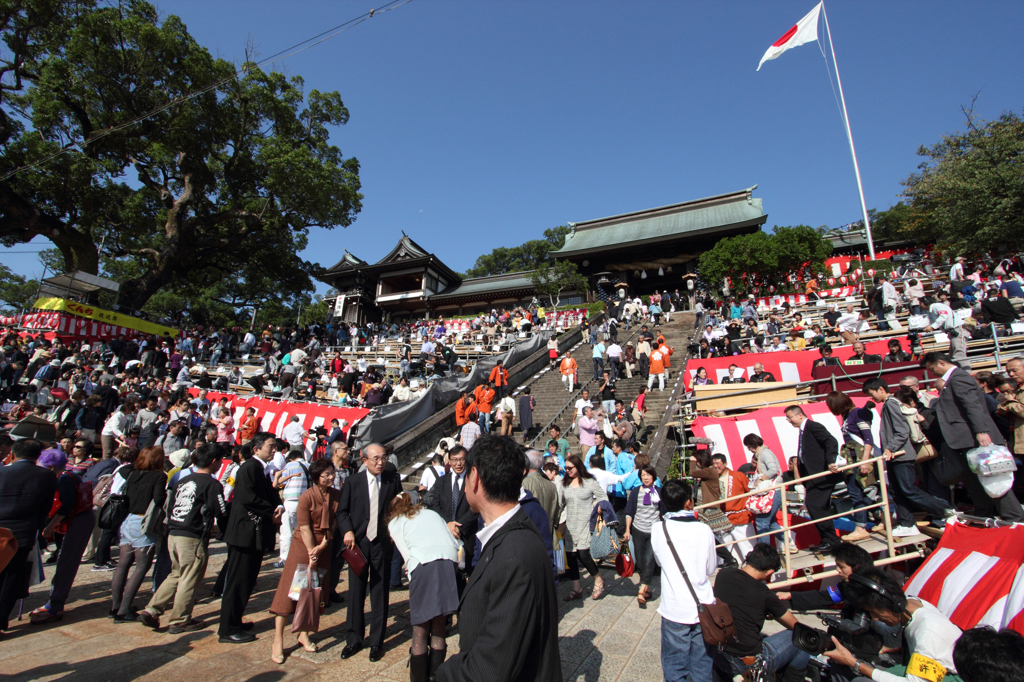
{"points": [[928, 633], [747, 594]]}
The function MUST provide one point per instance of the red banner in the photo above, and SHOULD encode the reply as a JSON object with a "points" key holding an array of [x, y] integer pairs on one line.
{"points": [[784, 365], [771, 425], [274, 415], [71, 327], [799, 299]]}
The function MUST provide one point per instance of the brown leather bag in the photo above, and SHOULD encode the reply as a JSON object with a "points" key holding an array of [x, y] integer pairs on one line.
{"points": [[715, 618]]}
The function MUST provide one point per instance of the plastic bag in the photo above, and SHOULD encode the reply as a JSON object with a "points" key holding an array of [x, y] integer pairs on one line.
{"points": [[308, 607], [300, 579], [994, 466], [560, 556]]}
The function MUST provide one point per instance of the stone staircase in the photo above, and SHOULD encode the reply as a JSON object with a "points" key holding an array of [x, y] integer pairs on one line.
{"points": [[551, 395]]}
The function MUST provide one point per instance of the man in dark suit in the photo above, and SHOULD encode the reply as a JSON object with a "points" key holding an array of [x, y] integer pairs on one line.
{"points": [[760, 376], [365, 499], [26, 496], [447, 498], [816, 451], [966, 423], [510, 596], [254, 511]]}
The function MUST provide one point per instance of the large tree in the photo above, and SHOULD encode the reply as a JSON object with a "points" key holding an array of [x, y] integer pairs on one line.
{"points": [[221, 179], [761, 259], [526, 256], [968, 193]]}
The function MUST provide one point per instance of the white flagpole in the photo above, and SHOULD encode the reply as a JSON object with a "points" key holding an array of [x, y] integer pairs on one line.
{"points": [[849, 136]]}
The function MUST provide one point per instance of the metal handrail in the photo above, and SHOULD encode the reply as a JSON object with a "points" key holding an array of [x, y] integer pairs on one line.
{"points": [[786, 527]]}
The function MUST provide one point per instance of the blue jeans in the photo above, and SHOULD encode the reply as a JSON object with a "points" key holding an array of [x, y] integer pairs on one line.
{"points": [[484, 420], [598, 368], [858, 499], [768, 522], [609, 407], [778, 650], [882, 324], [906, 494], [684, 653]]}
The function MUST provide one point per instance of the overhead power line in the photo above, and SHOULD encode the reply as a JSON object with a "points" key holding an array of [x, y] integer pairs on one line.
{"points": [[276, 57]]}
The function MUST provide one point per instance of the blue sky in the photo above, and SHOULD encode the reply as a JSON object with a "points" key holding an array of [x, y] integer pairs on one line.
{"points": [[479, 124]]}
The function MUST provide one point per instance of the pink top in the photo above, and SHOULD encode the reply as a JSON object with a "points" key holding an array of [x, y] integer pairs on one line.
{"points": [[226, 430], [588, 427]]}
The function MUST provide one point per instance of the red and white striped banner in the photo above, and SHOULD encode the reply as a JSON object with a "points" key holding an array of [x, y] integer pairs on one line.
{"points": [[784, 365], [274, 415], [975, 577], [799, 299], [771, 425], [71, 325]]}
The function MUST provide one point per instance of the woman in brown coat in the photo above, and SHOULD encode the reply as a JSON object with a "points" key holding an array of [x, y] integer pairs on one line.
{"points": [[311, 545]]}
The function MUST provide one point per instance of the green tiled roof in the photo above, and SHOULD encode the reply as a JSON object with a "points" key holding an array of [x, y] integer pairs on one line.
{"points": [[689, 218], [484, 285]]}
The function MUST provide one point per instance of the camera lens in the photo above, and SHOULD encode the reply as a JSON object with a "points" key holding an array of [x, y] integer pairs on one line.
{"points": [[811, 640]]}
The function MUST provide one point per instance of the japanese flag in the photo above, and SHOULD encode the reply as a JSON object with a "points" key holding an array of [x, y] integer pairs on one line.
{"points": [[805, 31]]}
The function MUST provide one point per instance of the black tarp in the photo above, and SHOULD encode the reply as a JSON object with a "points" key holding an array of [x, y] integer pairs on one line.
{"points": [[390, 421]]}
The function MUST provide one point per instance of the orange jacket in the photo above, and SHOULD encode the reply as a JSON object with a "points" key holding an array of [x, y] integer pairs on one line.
{"points": [[249, 428], [737, 484], [666, 352], [499, 376], [484, 398], [463, 412], [568, 366], [658, 358]]}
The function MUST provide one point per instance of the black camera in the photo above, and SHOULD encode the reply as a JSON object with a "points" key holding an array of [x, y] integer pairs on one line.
{"points": [[915, 342], [693, 348]]}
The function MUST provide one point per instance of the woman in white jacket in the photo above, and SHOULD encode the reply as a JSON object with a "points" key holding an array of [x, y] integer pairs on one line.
{"points": [[431, 555]]}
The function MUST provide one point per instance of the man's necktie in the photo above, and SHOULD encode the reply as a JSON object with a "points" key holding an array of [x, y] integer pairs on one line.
{"points": [[371, 528], [800, 447], [455, 497]]}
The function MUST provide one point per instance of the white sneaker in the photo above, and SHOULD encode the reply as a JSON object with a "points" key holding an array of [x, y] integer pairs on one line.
{"points": [[905, 531]]}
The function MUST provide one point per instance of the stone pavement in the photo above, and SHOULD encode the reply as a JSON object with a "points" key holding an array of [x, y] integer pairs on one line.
{"points": [[611, 639], [608, 639]]}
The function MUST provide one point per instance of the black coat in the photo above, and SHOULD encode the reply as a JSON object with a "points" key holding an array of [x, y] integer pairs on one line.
{"points": [[508, 615], [250, 524], [439, 499], [354, 507], [820, 448], [26, 496]]}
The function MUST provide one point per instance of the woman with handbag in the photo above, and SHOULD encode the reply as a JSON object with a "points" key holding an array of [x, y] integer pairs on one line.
{"points": [[432, 556], [73, 516], [643, 508], [858, 444], [578, 495], [311, 545], [767, 472], [146, 491], [702, 469]]}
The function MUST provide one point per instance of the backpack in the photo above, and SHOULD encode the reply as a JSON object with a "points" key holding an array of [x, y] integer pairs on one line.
{"points": [[101, 492]]}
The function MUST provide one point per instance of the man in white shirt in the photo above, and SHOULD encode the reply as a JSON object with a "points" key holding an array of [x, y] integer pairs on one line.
{"points": [[852, 324], [295, 434], [944, 319], [683, 652], [614, 357], [583, 401], [890, 301], [957, 271]]}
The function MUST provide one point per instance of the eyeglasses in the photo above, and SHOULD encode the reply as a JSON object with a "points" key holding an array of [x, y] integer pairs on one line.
{"points": [[375, 459]]}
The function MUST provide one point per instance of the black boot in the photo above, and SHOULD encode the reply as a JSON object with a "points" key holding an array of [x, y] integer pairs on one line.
{"points": [[437, 657], [794, 674], [728, 561], [418, 664]]}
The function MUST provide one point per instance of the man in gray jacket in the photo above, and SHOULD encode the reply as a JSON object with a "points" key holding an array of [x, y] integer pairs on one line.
{"points": [[895, 438], [965, 424]]}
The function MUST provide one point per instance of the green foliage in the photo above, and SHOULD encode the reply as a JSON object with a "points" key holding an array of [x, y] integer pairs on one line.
{"points": [[596, 308], [315, 313], [526, 256], [968, 193], [891, 224], [764, 259], [223, 186], [15, 292], [552, 278]]}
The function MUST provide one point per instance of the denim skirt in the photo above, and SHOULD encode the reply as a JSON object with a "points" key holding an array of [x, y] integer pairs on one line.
{"points": [[131, 533]]}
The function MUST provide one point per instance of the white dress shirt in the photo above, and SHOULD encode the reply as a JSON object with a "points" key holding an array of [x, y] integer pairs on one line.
{"points": [[490, 529]]}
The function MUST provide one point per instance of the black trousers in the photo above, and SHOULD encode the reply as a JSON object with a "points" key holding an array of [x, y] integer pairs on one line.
{"points": [[818, 500], [378, 576], [573, 561], [337, 563], [14, 583], [240, 573], [107, 538]]}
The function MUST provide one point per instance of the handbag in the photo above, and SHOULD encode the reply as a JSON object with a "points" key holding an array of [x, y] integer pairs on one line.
{"points": [[925, 452], [154, 522], [356, 560], [560, 555], [604, 542], [715, 618], [113, 512], [948, 467], [624, 564], [307, 607]]}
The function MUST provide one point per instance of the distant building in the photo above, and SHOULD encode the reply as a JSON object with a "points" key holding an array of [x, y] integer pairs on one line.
{"points": [[655, 248], [647, 250]]}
